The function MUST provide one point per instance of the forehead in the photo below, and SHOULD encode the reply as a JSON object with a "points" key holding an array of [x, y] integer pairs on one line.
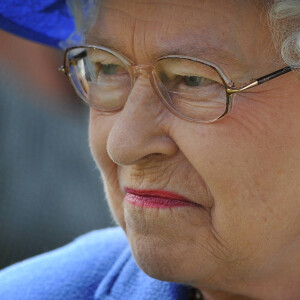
{"points": [[147, 29]]}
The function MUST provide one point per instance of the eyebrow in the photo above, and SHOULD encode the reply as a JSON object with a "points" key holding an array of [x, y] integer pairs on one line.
{"points": [[212, 54], [110, 43]]}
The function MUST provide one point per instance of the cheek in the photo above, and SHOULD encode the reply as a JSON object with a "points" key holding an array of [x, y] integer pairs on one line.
{"points": [[99, 129], [247, 161], [253, 149]]}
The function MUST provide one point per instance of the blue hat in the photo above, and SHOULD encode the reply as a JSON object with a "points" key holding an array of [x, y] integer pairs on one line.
{"points": [[45, 21]]}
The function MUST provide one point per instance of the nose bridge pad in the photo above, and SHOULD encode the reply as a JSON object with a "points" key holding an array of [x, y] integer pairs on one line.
{"points": [[142, 70], [146, 71]]}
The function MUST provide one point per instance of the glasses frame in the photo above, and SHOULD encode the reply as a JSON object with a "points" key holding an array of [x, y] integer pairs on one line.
{"points": [[148, 71]]}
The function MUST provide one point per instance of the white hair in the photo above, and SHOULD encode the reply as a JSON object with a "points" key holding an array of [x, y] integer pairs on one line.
{"points": [[85, 13], [284, 23]]}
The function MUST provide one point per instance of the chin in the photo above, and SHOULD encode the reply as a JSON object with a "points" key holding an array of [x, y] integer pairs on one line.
{"points": [[157, 257], [152, 244], [170, 244], [170, 257]]}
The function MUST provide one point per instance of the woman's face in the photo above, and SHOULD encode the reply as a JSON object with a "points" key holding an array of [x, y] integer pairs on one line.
{"points": [[243, 171]]}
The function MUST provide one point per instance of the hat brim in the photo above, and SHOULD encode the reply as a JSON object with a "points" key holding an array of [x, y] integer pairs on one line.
{"points": [[45, 21]]}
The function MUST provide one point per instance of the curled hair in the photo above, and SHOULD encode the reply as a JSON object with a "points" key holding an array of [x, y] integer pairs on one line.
{"points": [[285, 24]]}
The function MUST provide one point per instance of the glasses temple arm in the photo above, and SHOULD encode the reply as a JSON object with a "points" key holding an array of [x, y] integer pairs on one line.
{"points": [[260, 80], [274, 75]]}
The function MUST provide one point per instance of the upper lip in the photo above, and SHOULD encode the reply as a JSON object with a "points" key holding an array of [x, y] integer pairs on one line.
{"points": [[156, 193]]}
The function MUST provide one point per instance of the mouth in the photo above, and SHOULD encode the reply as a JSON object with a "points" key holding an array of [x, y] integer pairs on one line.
{"points": [[156, 199]]}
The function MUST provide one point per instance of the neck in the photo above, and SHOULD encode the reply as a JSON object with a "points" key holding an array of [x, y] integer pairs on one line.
{"points": [[283, 287], [219, 295], [280, 281]]}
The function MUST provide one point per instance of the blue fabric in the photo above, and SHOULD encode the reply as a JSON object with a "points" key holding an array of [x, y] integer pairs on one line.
{"points": [[96, 266], [43, 21]]}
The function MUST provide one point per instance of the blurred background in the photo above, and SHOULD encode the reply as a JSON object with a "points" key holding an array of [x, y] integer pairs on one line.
{"points": [[50, 188]]}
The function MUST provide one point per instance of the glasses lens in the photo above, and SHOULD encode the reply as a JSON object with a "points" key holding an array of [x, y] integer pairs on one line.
{"points": [[100, 78], [195, 90]]}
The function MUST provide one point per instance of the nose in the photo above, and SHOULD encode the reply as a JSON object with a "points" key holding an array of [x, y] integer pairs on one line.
{"points": [[141, 128]]}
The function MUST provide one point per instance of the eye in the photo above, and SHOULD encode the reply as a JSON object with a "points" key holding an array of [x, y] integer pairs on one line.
{"points": [[109, 69], [194, 80]]}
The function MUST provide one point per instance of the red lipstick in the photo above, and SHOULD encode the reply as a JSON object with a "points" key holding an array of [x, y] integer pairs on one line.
{"points": [[156, 199]]}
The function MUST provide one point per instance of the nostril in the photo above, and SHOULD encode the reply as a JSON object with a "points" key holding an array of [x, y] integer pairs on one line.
{"points": [[153, 155]]}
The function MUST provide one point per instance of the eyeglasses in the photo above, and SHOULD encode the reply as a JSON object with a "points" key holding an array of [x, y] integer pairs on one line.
{"points": [[193, 89]]}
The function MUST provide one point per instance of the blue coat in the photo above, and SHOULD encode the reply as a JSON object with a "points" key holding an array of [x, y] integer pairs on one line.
{"points": [[98, 266]]}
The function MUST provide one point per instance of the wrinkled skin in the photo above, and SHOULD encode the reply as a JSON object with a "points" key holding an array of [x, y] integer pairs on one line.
{"points": [[243, 170]]}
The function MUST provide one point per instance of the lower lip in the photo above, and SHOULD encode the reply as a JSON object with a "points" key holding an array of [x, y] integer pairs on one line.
{"points": [[155, 202]]}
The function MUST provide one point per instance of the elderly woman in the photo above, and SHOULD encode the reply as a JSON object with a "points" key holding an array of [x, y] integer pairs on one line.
{"points": [[194, 125]]}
